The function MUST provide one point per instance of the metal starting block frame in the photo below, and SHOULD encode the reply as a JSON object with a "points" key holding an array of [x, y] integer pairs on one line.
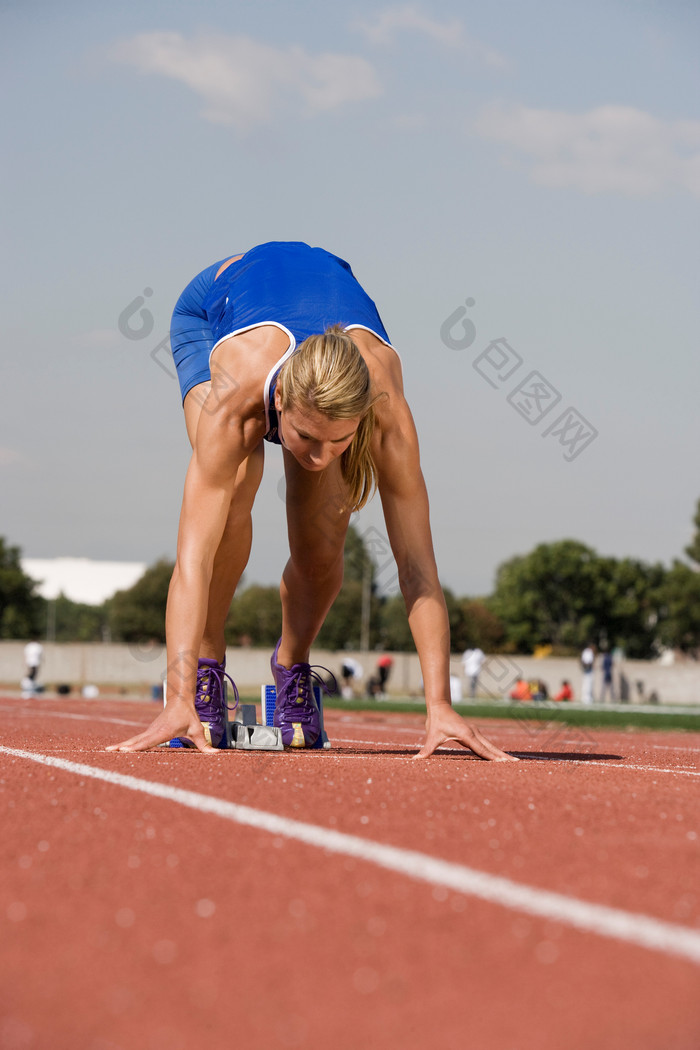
{"points": [[243, 733], [242, 737]]}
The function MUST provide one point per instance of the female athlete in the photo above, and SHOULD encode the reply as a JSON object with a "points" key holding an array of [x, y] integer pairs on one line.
{"points": [[282, 344]]}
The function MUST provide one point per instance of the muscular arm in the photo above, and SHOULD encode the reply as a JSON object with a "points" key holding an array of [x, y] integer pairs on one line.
{"points": [[230, 428], [406, 512], [226, 436]]}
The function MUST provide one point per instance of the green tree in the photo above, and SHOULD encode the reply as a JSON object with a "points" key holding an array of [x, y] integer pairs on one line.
{"points": [[693, 548], [564, 595], [394, 633], [551, 596], [630, 605], [357, 560], [138, 614], [342, 628], [76, 621], [255, 617], [479, 627], [20, 607], [679, 597]]}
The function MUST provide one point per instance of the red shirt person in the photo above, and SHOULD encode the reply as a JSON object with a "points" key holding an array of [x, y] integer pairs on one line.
{"points": [[565, 693]]}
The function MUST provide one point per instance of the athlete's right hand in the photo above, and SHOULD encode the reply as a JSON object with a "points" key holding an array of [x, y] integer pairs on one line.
{"points": [[178, 718]]}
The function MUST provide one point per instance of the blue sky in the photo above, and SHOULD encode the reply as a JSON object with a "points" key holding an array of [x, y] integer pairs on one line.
{"points": [[531, 170]]}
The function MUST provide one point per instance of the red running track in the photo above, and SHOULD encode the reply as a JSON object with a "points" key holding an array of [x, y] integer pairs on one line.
{"points": [[386, 903]]}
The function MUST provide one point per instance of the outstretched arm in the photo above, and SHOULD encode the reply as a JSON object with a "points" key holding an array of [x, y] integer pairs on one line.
{"points": [[406, 512], [226, 436]]}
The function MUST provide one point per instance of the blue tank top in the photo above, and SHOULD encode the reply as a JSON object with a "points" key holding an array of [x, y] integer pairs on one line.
{"points": [[300, 289]]}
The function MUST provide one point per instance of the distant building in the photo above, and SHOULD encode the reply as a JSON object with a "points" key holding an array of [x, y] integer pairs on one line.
{"points": [[82, 579]]}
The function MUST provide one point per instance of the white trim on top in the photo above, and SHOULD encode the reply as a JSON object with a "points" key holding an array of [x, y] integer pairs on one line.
{"points": [[275, 368], [366, 328], [288, 353]]}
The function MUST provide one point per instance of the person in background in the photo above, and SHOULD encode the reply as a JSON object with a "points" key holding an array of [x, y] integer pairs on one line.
{"points": [[607, 685], [376, 686], [350, 671], [566, 692], [521, 690], [538, 690], [33, 653], [472, 662], [587, 667]]}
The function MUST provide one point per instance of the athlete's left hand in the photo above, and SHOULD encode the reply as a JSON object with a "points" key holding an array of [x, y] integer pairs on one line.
{"points": [[444, 724]]}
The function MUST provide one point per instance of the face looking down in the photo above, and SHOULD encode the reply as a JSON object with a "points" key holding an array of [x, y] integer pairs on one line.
{"points": [[313, 439]]}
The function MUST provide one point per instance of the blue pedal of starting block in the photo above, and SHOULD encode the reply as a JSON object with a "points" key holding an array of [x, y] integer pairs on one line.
{"points": [[268, 699]]}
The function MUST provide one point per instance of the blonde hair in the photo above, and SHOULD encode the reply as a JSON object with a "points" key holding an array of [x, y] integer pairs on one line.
{"points": [[328, 374]]}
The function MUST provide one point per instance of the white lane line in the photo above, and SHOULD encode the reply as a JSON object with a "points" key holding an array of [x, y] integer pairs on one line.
{"points": [[370, 726], [640, 930], [372, 743], [392, 743], [642, 769], [673, 747], [100, 718], [81, 718], [527, 755], [407, 744], [506, 726]]}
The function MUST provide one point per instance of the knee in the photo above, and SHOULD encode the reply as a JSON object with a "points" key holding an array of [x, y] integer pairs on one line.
{"points": [[245, 489], [318, 560]]}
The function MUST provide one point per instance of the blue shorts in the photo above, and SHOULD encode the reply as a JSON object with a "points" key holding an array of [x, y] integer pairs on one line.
{"points": [[191, 339], [299, 289]]}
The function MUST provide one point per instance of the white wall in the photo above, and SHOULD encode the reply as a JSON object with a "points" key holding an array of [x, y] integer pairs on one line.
{"points": [[138, 669]]}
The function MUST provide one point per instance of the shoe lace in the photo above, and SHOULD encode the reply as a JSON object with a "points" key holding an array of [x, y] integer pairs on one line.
{"points": [[306, 677], [204, 679]]}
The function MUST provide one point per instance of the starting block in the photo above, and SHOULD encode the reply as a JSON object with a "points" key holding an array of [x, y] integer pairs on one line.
{"points": [[244, 733], [253, 738]]}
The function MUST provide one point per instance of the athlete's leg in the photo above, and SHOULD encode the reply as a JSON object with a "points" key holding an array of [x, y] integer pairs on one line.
{"points": [[234, 549], [317, 523]]}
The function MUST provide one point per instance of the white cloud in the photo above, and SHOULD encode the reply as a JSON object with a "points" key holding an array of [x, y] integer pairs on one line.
{"points": [[98, 339], [10, 457], [243, 81], [610, 149], [82, 579], [409, 18]]}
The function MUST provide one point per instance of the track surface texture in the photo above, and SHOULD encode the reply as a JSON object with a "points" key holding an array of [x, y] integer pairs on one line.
{"points": [[550, 904]]}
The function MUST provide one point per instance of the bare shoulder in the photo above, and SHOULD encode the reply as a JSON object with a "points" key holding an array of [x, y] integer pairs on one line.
{"points": [[382, 361], [394, 441], [385, 371], [239, 367]]}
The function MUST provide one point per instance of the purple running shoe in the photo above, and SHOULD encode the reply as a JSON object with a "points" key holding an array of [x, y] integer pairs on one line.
{"points": [[210, 703], [296, 713]]}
